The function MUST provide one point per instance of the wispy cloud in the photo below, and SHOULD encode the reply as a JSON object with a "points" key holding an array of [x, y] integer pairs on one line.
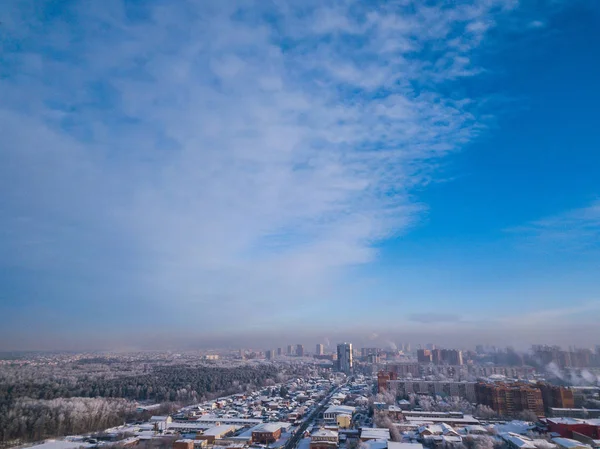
{"points": [[573, 230], [236, 153]]}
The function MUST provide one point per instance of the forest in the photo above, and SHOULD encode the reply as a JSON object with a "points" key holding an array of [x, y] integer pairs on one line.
{"points": [[45, 400]]}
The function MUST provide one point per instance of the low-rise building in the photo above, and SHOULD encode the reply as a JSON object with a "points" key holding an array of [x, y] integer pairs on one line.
{"points": [[266, 433], [331, 414], [567, 443], [324, 439], [183, 444], [369, 433], [216, 433]]}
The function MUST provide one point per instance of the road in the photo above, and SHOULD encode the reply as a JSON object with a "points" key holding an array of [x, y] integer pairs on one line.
{"points": [[293, 442]]}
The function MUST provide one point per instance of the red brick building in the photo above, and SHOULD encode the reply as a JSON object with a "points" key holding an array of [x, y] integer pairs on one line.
{"points": [[510, 399], [266, 434], [382, 380]]}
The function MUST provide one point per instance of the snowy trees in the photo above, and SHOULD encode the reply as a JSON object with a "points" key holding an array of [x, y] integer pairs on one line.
{"points": [[36, 419], [42, 400], [384, 421]]}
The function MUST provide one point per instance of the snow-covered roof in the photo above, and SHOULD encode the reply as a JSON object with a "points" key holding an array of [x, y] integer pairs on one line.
{"points": [[569, 443], [341, 409], [396, 445], [518, 440], [325, 433], [375, 433]]}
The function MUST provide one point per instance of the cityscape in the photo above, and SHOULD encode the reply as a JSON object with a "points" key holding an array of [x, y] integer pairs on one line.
{"points": [[328, 397], [299, 224]]}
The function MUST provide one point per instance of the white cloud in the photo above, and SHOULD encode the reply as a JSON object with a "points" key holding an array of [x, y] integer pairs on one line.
{"points": [[573, 230], [228, 150]]}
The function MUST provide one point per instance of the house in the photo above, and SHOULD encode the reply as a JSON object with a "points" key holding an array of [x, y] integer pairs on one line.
{"points": [[160, 423]]}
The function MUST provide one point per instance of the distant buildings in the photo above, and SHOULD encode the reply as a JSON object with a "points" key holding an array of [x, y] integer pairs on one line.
{"points": [[383, 377], [320, 350], [300, 350], [279, 351], [510, 399], [290, 350], [424, 356], [269, 354], [440, 356], [404, 387], [344, 355]]}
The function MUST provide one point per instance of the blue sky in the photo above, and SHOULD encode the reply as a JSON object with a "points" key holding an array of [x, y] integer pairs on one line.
{"points": [[239, 170]]}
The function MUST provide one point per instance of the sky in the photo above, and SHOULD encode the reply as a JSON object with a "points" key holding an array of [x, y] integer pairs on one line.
{"points": [[240, 172]]}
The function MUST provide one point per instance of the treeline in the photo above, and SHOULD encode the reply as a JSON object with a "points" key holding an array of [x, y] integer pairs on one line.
{"points": [[164, 383], [35, 419], [35, 407]]}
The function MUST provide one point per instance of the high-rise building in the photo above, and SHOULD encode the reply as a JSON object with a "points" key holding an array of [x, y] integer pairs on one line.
{"points": [[424, 356], [365, 352], [383, 377], [436, 356], [452, 356], [269, 354], [344, 355], [320, 349], [300, 350], [509, 399], [279, 351], [555, 396], [430, 346], [290, 350]]}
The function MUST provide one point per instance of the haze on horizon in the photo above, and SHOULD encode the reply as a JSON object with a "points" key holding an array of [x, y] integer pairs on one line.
{"points": [[244, 172]]}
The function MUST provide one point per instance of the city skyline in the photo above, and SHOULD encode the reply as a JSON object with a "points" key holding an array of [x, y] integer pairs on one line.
{"points": [[352, 172]]}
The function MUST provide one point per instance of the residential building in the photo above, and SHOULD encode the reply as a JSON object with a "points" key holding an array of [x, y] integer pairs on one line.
{"points": [[365, 352], [510, 399], [452, 356], [460, 389], [555, 396], [300, 350], [403, 370], [424, 356], [383, 377], [344, 353], [320, 350]]}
